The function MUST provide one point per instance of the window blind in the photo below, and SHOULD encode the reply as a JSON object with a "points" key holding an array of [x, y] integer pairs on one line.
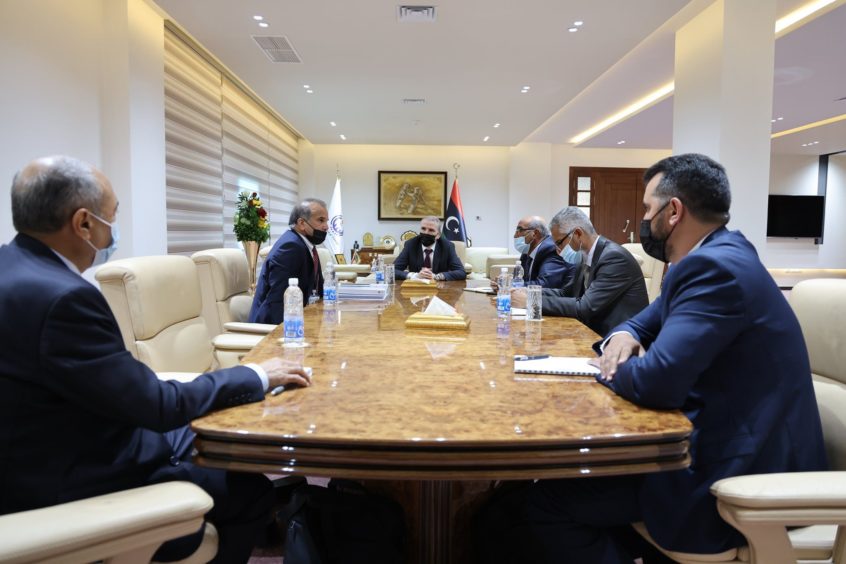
{"points": [[220, 140]]}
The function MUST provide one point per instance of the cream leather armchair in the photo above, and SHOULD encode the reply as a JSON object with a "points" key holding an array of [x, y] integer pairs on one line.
{"points": [[224, 288], [477, 258], [118, 528], [461, 251], [763, 506], [653, 269], [156, 301], [495, 263]]}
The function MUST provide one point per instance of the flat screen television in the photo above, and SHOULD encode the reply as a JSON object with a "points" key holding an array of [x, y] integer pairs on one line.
{"points": [[795, 216]]}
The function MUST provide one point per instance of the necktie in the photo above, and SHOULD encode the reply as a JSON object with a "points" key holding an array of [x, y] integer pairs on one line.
{"points": [[587, 276], [427, 260], [316, 260]]}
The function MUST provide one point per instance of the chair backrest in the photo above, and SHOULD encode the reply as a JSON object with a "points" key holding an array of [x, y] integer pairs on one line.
{"points": [[224, 286], [820, 306], [495, 263], [477, 257], [652, 268], [156, 301], [460, 250], [326, 258]]}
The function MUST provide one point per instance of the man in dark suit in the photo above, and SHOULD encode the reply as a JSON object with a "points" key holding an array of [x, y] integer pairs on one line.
{"points": [[79, 415], [722, 344], [542, 266], [607, 290], [294, 255], [429, 256]]}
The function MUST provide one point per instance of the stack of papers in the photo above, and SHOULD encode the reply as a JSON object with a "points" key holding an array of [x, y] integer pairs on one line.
{"points": [[373, 292]]}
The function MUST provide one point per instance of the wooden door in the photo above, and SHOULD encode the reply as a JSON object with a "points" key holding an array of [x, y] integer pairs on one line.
{"points": [[612, 198]]}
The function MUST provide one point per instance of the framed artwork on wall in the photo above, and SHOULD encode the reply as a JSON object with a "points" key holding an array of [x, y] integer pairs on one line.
{"points": [[411, 195]]}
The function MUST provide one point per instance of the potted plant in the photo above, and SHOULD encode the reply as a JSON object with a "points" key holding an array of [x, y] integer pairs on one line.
{"points": [[251, 228]]}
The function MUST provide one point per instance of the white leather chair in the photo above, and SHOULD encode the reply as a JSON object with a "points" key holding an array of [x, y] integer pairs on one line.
{"points": [[495, 263], [461, 251], [653, 269], [156, 301], [763, 506], [118, 528], [477, 258], [224, 288], [341, 273]]}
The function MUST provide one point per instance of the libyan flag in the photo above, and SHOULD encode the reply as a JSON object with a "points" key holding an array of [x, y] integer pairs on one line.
{"points": [[454, 229]]}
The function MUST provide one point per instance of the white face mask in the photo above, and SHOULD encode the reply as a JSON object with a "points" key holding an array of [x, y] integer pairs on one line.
{"points": [[102, 256], [520, 245]]}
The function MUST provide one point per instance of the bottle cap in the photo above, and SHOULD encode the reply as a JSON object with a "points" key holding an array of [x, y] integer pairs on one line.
{"points": [[293, 281]]}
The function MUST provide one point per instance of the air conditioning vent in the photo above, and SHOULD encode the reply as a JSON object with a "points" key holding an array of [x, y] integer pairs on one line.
{"points": [[414, 101], [416, 14], [277, 48]]}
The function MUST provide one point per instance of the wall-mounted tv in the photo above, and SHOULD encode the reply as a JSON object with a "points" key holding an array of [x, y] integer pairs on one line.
{"points": [[795, 216]]}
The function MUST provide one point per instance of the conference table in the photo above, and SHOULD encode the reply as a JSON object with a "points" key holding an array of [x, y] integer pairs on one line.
{"points": [[435, 415]]}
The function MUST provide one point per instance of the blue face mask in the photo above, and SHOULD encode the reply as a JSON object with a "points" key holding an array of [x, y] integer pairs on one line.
{"points": [[569, 255], [520, 245], [102, 256]]}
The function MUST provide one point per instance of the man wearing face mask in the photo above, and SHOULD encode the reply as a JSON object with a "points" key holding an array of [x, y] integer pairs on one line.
{"points": [[721, 344], [293, 256], [542, 266], [428, 256], [607, 290], [79, 415]]}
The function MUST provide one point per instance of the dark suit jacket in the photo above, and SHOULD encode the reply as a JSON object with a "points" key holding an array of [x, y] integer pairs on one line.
{"points": [[290, 257], [79, 416], [548, 269], [616, 290], [725, 348], [446, 260]]}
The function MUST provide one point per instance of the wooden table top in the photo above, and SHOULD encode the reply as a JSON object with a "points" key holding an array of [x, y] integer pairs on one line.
{"points": [[391, 402]]}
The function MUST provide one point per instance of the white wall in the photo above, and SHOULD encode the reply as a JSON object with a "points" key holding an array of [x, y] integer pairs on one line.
{"points": [[482, 179], [50, 99], [798, 174], [85, 79]]}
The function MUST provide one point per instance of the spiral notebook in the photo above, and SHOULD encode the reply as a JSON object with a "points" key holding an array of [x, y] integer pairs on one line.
{"points": [[560, 365]]}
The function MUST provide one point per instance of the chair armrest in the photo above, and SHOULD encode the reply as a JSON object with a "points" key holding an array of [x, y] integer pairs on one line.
{"points": [[242, 327], [783, 491], [356, 268], [468, 268], [131, 521], [178, 376], [236, 341]]}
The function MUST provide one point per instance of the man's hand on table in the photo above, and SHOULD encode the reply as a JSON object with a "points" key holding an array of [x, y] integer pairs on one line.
{"points": [[618, 349], [282, 372], [518, 297]]}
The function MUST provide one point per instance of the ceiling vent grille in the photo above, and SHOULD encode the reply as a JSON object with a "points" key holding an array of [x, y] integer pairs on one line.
{"points": [[414, 101], [416, 14], [277, 48]]}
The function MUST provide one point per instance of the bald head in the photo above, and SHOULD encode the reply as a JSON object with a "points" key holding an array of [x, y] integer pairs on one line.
{"points": [[47, 192]]}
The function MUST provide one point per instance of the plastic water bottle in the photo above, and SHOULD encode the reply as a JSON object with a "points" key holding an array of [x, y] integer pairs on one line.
{"points": [[517, 281], [330, 286], [503, 296], [379, 271], [294, 324]]}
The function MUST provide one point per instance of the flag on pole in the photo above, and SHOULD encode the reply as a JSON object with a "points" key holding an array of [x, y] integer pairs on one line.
{"points": [[454, 229], [335, 240]]}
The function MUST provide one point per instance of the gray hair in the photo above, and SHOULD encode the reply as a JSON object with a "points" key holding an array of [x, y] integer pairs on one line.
{"points": [[539, 226], [303, 210], [571, 217], [45, 194], [436, 220]]}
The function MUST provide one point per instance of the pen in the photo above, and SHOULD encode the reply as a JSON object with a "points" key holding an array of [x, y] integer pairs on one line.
{"points": [[277, 390], [524, 357]]}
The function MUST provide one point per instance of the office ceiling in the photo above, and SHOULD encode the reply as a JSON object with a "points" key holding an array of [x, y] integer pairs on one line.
{"points": [[470, 66]]}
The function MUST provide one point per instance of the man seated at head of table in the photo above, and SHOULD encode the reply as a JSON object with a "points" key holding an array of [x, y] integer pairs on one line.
{"points": [[542, 265], [429, 256], [294, 255], [80, 416], [609, 287], [722, 344]]}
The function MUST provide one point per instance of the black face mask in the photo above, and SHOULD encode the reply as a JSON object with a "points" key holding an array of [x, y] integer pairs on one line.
{"points": [[427, 239], [317, 236], [656, 248]]}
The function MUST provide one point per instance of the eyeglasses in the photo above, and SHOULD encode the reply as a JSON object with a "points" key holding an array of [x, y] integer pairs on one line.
{"points": [[519, 229], [560, 243]]}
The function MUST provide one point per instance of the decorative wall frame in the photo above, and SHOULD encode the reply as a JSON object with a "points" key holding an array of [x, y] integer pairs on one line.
{"points": [[407, 196]]}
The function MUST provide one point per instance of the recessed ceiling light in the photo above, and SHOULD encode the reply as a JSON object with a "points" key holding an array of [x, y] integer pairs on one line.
{"points": [[527, 88], [496, 125], [310, 91], [306, 86], [772, 121], [578, 23], [258, 18], [263, 24], [573, 29], [486, 138], [332, 123], [343, 137], [779, 118], [621, 142]]}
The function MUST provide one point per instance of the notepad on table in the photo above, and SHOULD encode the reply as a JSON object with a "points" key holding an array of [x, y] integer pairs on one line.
{"points": [[563, 365]]}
